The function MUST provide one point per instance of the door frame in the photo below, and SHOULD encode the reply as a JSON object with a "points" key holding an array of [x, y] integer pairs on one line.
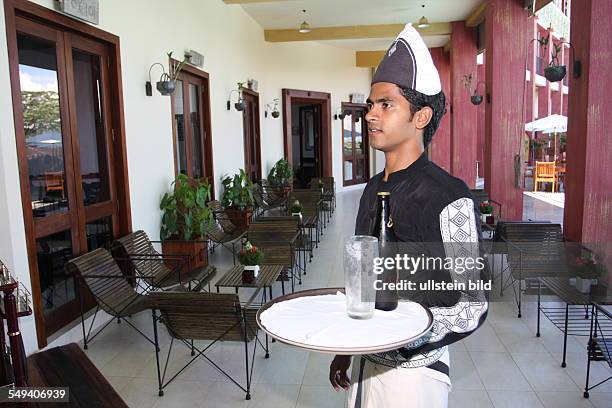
{"points": [[290, 96], [366, 145], [205, 120], [258, 129], [43, 15]]}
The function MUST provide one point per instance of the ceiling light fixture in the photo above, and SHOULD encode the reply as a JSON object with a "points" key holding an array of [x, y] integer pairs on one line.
{"points": [[304, 27], [423, 22]]}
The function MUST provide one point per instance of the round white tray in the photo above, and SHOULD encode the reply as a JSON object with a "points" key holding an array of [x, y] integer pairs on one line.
{"points": [[316, 320]]}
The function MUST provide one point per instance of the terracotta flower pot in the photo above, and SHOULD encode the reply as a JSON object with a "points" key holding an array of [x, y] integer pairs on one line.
{"points": [[239, 218], [197, 251]]}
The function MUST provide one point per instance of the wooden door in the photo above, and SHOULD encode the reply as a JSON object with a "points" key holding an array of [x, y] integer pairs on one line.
{"points": [[252, 144], [191, 125], [64, 141], [310, 142], [355, 145]]}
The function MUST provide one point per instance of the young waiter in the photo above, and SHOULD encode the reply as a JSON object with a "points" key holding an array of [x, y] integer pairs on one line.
{"points": [[428, 205]]}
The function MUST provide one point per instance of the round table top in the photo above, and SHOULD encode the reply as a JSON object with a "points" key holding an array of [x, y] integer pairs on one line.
{"points": [[316, 320]]}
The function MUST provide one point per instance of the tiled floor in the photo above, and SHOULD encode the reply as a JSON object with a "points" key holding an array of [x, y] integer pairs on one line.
{"points": [[502, 365]]}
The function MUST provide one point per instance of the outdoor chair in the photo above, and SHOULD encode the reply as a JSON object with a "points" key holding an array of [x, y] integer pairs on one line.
{"points": [[276, 248], [190, 316], [113, 293], [534, 250], [329, 191], [311, 203], [218, 236], [545, 172], [283, 226], [599, 347], [136, 254], [222, 218], [261, 201], [274, 195]]}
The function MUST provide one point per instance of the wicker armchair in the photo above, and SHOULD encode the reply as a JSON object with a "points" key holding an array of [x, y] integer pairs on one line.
{"points": [[221, 216], [329, 192], [113, 293], [136, 254], [192, 316], [261, 200]]}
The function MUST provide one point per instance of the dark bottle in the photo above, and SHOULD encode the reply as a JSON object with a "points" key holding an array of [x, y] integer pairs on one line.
{"points": [[387, 247]]}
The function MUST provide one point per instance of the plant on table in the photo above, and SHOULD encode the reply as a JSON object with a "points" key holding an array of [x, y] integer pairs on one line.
{"points": [[250, 255], [296, 207], [486, 208]]}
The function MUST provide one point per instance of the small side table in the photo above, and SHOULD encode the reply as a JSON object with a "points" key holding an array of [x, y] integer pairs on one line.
{"points": [[268, 274]]}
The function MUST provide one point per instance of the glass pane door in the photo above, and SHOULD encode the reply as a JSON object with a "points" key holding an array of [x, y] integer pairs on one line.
{"points": [[355, 145]]}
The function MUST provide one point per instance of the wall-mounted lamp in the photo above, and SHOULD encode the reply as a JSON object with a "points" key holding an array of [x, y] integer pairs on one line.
{"points": [[167, 80], [475, 98], [240, 105], [341, 114], [273, 107]]}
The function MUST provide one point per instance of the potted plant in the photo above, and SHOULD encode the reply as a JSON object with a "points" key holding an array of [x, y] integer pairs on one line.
{"points": [[587, 270], [250, 257], [238, 198], [555, 71], [296, 209], [486, 212], [280, 176], [186, 219], [167, 82]]}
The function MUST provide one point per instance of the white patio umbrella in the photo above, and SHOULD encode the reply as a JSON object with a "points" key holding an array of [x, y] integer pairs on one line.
{"points": [[550, 124]]}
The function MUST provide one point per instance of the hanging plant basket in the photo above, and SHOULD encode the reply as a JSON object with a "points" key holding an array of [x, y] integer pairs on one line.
{"points": [[555, 73], [476, 99], [166, 87]]}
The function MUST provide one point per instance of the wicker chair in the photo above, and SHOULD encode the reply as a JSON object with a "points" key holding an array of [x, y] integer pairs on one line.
{"points": [[278, 246], [192, 316], [274, 195], [113, 293], [136, 254]]}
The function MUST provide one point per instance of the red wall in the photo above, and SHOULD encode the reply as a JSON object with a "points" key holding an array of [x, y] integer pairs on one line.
{"points": [[440, 144]]}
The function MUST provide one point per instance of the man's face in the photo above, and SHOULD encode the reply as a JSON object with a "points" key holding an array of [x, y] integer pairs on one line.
{"points": [[390, 122]]}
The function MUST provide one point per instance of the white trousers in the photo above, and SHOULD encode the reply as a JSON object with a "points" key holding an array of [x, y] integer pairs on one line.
{"points": [[387, 387]]}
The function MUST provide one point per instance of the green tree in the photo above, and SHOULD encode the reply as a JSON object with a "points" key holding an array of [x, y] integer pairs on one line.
{"points": [[41, 112]]}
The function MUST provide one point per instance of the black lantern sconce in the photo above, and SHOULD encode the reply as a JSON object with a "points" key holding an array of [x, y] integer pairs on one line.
{"points": [[240, 105], [476, 99], [273, 107], [167, 81], [341, 114]]}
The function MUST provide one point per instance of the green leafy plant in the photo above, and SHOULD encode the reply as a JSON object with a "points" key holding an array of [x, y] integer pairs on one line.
{"points": [[280, 174], [238, 192], [296, 207], [588, 267], [250, 255], [185, 214], [486, 208], [175, 68]]}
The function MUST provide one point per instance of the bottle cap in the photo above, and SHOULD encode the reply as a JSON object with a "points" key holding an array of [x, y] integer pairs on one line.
{"points": [[384, 193]]}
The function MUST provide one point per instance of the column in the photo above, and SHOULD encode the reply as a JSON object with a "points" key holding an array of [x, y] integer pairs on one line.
{"points": [[440, 144]]}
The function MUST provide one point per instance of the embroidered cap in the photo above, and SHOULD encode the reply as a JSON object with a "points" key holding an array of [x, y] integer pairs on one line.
{"points": [[408, 64]]}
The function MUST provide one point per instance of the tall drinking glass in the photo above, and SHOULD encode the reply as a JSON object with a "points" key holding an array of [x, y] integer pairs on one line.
{"points": [[359, 276]]}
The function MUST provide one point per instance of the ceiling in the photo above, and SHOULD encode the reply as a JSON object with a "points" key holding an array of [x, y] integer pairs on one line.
{"points": [[288, 14]]}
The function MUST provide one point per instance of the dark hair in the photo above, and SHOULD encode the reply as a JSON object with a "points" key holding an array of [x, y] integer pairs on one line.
{"points": [[436, 102]]}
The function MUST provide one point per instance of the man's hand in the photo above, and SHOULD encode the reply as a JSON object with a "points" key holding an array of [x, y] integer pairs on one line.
{"points": [[337, 372]]}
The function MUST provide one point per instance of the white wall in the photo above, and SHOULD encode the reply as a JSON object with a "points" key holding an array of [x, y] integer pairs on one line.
{"points": [[234, 50]]}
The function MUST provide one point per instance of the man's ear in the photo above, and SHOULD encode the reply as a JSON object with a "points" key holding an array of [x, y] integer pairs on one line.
{"points": [[423, 117]]}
